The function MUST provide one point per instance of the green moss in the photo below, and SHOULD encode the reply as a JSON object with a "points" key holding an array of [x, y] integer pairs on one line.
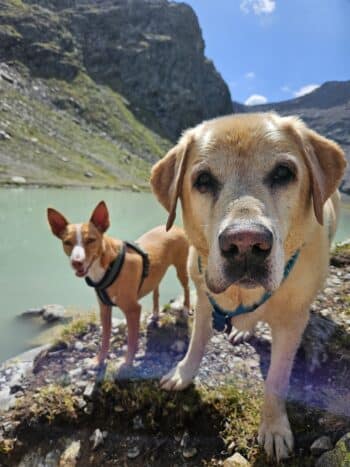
{"points": [[341, 249], [49, 403], [77, 328]]}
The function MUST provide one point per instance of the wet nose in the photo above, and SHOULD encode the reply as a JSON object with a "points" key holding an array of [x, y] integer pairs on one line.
{"points": [[77, 264], [254, 240]]}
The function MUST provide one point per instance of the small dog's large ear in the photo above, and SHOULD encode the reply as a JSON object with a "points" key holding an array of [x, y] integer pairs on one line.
{"points": [[100, 217], [167, 176], [57, 222], [324, 159]]}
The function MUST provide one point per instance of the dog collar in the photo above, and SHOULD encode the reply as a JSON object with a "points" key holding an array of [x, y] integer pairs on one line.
{"points": [[113, 272], [222, 318]]}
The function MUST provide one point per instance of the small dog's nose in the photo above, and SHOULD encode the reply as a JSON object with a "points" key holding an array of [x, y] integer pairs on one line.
{"points": [[77, 264], [254, 240]]}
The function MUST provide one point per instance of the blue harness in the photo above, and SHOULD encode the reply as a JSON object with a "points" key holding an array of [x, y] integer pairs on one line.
{"points": [[222, 317]]}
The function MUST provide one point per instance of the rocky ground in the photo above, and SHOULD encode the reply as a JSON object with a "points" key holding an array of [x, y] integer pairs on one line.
{"points": [[60, 412]]}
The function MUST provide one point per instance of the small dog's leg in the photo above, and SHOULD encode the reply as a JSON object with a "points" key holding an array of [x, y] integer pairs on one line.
{"points": [[106, 322], [275, 433], [132, 315], [155, 313], [181, 376]]}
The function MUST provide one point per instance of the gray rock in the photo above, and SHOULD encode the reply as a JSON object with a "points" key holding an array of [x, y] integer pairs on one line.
{"points": [[189, 452], [133, 452], [89, 390], [237, 460], [18, 180], [337, 457], [320, 445], [137, 423], [78, 345], [178, 346], [53, 313], [71, 455], [97, 438], [32, 313], [5, 136]]}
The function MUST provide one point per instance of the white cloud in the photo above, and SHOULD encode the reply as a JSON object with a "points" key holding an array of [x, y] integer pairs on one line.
{"points": [[250, 75], [256, 99], [258, 6], [306, 89]]}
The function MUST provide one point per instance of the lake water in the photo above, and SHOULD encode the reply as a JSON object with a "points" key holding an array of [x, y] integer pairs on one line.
{"points": [[33, 269]]}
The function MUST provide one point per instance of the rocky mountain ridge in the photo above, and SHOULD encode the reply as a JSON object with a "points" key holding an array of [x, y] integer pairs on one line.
{"points": [[326, 110]]}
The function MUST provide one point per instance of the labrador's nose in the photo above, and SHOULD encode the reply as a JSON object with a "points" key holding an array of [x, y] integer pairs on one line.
{"points": [[252, 240]]}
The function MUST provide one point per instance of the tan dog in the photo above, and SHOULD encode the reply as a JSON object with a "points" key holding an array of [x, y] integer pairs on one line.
{"points": [[91, 253], [258, 194]]}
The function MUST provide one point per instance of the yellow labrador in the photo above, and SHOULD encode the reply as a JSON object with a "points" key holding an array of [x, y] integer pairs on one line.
{"points": [[260, 207]]}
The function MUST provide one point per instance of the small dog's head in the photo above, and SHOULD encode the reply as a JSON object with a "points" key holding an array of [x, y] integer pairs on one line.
{"points": [[247, 184], [82, 243]]}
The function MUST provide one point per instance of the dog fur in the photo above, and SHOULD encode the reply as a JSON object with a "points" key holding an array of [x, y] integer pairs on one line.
{"points": [[91, 251], [254, 172]]}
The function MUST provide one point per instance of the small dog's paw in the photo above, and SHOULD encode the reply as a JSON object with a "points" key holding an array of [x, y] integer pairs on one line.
{"points": [[238, 337], [277, 438], [177, 379]]}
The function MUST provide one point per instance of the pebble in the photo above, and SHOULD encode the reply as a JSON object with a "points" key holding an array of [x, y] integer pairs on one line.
{"points": [[237, 460], [178, 346], [4, 136], [70, 455], [133, 452], [189, 452], [89, 390], [137, 423], [79, 346], [97, 438], [320, 445]]}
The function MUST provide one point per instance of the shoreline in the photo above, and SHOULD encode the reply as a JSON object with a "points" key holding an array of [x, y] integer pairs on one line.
{"points": [[125, 418]]}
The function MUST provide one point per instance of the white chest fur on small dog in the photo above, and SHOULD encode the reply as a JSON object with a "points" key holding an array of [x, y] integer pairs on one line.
{"points": [[78, 252]]}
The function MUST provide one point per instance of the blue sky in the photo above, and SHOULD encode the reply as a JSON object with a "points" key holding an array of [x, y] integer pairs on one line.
{"points": [[276, 49]]}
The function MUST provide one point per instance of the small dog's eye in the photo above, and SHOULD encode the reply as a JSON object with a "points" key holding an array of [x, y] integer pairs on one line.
{"points": [[67, 243], [281, 175], [205, 183], [90, 240]]}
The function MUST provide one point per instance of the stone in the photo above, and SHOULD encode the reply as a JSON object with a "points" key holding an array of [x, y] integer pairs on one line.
{"points": [[78, 345], [96, 438], [337, 457], [18, 180], [133, 452], [32, 313], [89, 390], [4, 136], [137, 423], [320, 445], [88, 174], [71, 454], [189, 452], [53, 313], [237, 460], [178, 346]]}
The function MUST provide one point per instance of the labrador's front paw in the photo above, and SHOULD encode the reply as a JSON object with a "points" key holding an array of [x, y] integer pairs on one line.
{"points": [[177, 379], [277, 438]]}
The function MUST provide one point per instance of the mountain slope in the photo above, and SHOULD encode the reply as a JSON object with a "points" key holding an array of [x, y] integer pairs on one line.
{"points": [[326, 110]]}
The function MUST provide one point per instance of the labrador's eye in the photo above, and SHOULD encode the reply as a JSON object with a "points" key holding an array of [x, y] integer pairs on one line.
{"points": [[205, 183], [280, 176], [90, 240]]}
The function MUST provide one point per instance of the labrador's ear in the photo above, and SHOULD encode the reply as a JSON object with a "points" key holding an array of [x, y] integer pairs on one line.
{"points": [[100, 217], [167, 176], [325, 161], [57, 221]]}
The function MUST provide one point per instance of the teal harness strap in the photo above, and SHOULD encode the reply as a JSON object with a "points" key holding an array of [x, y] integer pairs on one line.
{"points": [[222, 318]]}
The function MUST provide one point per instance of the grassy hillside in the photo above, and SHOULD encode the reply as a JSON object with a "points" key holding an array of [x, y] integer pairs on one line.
{"points": [[77, 133]]}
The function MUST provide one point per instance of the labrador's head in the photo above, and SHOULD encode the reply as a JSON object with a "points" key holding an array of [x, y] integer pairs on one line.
{"points": [[252, 188]]}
